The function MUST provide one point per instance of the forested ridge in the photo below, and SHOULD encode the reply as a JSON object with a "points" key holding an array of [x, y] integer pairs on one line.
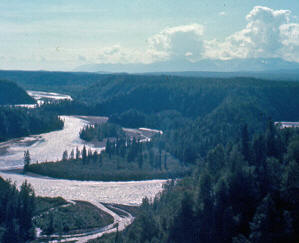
{"points": [[12, 94], [19, 122]]}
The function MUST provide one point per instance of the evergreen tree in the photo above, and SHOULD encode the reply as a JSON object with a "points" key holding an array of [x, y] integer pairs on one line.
{"points": [[77, 153], [72, 155], [65, 156], [27, 160], [84, 154]]}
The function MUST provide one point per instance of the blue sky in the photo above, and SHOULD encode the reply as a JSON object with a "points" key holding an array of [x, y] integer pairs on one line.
{"points": [[63, 34]]}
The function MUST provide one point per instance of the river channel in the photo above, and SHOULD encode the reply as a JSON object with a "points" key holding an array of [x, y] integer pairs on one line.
{"points": [[49, 147]]}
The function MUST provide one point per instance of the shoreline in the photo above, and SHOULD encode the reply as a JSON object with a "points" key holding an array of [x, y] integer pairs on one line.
{"points": [[40, 176], [19, 171]]}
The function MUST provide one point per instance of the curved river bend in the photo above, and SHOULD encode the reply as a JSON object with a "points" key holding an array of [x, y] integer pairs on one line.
{"points": [[49, 147]]}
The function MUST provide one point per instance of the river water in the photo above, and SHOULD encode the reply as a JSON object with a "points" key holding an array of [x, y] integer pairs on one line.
{"points": [[49, 147]]}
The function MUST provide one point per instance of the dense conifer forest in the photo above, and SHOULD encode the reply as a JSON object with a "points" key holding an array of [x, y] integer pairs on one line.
{"points": [[16, 212], [101, 131], [245, 191], [12, 94], [124, 159], [19, 122]]}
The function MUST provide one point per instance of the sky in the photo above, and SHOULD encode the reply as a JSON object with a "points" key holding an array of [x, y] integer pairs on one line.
{"points": [[64, 34]]}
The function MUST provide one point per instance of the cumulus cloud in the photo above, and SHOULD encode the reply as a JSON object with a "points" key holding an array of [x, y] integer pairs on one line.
{"points": [[290, 41], [179, 42], [268, 34]]}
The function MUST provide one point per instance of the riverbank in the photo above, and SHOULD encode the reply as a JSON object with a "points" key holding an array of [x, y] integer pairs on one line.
{"points": [[20, 171]]}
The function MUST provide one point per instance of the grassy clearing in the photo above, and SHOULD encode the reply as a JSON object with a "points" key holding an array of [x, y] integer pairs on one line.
{"points": [[133, 210], [73, 218]]}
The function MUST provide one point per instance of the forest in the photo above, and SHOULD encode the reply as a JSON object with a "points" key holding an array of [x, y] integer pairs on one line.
{"points": [[245, 191], [235, 173], [12, 94], [123, 159], [101, 131], [18, 122], [16, 212]]}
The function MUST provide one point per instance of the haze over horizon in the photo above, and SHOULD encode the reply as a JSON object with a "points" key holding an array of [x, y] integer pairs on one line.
{"points": [[148, 35]]}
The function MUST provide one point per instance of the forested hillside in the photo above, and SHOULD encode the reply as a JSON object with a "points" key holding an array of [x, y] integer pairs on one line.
{"points": [[192, 97], [19, 122], [11, 94], [50, 81], [246, 192], [195, 114]]}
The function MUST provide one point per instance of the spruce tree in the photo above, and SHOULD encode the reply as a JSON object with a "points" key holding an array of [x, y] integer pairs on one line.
{"points": [[27, 160]]}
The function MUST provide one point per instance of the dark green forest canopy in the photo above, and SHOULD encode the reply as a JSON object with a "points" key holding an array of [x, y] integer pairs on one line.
{"points": [[18, 122], [12, 94], [246, 192], [190, 96], [50, 81], [16, 212]]}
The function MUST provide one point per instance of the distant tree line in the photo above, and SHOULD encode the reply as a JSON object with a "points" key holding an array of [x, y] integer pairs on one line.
{"points": [[101, 131]]}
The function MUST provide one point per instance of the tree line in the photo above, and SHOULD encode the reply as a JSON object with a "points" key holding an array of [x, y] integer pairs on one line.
{"points": [[101, 131], [124, 158]]}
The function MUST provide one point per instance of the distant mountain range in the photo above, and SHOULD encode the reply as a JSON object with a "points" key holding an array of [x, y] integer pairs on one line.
{"points": [[205, 67]]}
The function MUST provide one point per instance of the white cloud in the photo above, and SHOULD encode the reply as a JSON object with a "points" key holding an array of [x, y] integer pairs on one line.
{"points": [[179, 42], [268, 34], [175, 43], [290, 41]]}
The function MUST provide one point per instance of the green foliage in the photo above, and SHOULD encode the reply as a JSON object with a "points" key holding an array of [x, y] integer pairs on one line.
{"points": [[101, 131], [72, 218], [121, 161], [27, 160], [238, 200], [16, 212], [12, 94], [19, 122]]}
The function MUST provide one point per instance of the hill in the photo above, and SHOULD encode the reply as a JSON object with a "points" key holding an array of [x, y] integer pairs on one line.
{"points": [[50, 81], [11, 94], [233, 65]]}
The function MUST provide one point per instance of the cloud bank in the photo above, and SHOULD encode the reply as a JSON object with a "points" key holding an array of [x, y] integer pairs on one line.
{"points": [[268, 34]]}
